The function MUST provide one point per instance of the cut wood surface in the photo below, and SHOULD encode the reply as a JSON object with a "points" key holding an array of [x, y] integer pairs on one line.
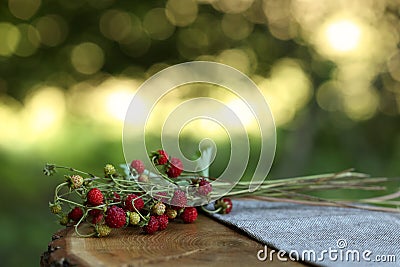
{"points": [[203, 243]]}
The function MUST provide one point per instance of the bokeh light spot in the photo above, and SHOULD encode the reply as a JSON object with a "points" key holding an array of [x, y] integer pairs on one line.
{"points": [[87, 58], [157, 25], [100, 3], [236, 27], [343, 35], [232, 7], [287, 90], [243, 111], [329, 96], [393, 65], [23, 9], [117, 103], [44, 110], [29, 41], [236, 58], [10, 38], [181, 12], [116, 24], [138, 47], [52, 29], [361, 105]]}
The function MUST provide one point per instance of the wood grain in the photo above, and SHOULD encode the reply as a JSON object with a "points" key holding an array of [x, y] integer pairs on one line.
{"points": [[203, 243]]}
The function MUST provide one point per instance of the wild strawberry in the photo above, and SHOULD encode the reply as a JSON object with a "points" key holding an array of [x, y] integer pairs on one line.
{"points": [[205, 187], [152, 226], [55, 208], [96, 216], [103, 230], [138, 203], [75, 181], [162, 222], [158, 208], [179, 199], [143, 178], [114, 197], [134, 218], [171, 213], [75, 214], [94, 197], [115, 217], [138, 165], [160, 157], [189, 215], [224, 204], [64, 220], [109, 170], [175, 168]]}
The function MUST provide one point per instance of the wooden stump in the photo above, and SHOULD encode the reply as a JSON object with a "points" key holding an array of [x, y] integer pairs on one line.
{"points": [[203, 243]]}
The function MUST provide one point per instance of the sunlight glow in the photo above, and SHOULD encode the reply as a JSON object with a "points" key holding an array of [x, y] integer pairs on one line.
{"points": [[44, 110], [343, 35], [117, 103], [242, 111]]}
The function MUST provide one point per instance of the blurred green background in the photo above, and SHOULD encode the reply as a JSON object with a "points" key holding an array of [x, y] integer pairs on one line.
{"points": [[330, 71]]}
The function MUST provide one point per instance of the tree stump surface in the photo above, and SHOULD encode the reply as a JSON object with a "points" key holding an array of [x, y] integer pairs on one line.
{"points": [[206, 242]]}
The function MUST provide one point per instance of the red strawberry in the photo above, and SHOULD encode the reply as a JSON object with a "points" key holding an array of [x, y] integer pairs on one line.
{"points": [[138, 165], [175, 168], [162, 222], [115, 217], [160, 157], [179, 199], [205, 188], [96, 216], [114, 197], [152, 226], [94, 197], [75, 214], [138, 202], [225, 204], [189, 215]]}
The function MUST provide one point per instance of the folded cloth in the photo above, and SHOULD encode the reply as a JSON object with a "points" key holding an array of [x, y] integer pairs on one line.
{"points": [[326, 236]]}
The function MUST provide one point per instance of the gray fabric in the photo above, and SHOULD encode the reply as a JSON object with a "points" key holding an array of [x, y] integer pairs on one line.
{"points": [[289, 227]]}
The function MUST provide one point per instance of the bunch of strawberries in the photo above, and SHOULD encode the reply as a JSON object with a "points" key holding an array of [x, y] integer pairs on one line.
{"points": [[113, 201]]}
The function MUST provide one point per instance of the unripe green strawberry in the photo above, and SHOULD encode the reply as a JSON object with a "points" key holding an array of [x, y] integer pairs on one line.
{"points": [[55, 208], [158, 208], [109, 170], [143, 178], [134, 218], [76, 181], [64, 220], [103, 230], [171, 213]]}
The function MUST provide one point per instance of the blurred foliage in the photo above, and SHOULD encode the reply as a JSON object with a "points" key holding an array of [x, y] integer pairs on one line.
{"points": [[330, 71]]}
